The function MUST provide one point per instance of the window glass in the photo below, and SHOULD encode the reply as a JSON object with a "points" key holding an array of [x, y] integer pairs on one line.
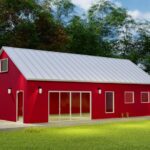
{"points": [[144, 97], [85, 102], [109, 102], [65, 103], [129, 97], [4, 65]]}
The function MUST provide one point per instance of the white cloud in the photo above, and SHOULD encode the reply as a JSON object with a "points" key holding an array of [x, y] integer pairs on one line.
{"points": [[118, 4], [136, 14], [85, 4]]}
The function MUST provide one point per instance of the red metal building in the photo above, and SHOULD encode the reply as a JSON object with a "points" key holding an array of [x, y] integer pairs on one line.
{"points": [[40, 86]]}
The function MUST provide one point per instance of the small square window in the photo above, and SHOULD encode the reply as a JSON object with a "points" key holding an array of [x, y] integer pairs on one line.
{"points": [[145, 97], [129, 97], [4, 65]]}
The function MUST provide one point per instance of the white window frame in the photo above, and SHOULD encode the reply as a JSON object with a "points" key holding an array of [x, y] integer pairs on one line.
{"points": [[148, 97], [113, 102], [133, 100], [1, 65]]}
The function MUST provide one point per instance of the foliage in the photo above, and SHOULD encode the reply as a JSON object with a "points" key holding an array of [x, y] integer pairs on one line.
{"points": [[24, 23], [105, 30], [84, 39], [143, 45]]}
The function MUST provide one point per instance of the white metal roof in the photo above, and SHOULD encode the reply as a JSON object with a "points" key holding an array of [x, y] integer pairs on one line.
{"points": [[55, 66]]}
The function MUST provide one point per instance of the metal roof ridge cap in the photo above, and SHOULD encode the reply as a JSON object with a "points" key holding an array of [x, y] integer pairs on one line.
{"points": [[84, 55]]}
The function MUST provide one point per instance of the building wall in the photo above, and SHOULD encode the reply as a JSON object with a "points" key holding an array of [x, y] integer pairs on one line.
{"points": [[36, 105], [11, 79]]}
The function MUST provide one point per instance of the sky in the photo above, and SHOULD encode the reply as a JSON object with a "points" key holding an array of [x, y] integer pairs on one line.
{"points": [[138, 9]]}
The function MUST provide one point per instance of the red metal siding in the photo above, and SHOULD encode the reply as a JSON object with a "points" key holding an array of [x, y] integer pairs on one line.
{"points": [[11, 79], [98, 100], [36, 105]]}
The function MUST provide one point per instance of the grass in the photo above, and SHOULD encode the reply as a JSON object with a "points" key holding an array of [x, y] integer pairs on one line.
{"points": [[133, 135]]}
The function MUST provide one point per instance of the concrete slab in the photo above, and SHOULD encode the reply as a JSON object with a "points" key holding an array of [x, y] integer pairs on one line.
{"points": [[92, 122], [7, 125]]}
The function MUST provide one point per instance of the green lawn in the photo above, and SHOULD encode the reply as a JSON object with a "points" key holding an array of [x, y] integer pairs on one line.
{"points": [[133, 135]]}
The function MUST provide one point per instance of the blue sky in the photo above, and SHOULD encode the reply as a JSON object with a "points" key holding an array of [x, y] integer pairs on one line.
{"points": [[138, 9], [141, 5]]}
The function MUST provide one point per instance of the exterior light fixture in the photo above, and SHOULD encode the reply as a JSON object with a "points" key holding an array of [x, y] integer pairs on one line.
{"points": [[99, 91], [9, 91], [40, 90]]}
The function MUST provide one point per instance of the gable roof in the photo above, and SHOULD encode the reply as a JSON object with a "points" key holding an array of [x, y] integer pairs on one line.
{"points": [[55, 66]]}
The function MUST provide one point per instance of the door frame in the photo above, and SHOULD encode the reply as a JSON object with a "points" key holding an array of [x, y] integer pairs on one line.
{"points": [[17, 117], [51, 91]]}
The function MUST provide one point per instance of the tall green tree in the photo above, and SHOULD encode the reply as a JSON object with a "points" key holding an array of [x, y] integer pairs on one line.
{"points": [[51, 35], [109, 22], [62, 10], [82, 39], [143, 45], [25, 23], [105, 30]]}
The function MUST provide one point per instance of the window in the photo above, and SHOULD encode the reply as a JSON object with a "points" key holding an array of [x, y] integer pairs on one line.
{"points": [[129, 97], [4, 65], [109, 102], [144, 97]]}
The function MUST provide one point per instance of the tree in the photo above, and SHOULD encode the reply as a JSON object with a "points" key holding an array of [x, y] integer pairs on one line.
{"points": [[62, 10], [25, 23], [51, 36], [83, 38], [108, 21], [15, 12], [106, 29], [16, 22], [143, 45]]}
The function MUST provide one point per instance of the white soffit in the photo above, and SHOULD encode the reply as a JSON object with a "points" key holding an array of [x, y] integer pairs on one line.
{"points": [[56, 66]]}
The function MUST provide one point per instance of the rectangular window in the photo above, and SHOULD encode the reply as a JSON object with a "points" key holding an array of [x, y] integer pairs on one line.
{"points": [[129, 97], [4, 65], [109, 102], [144, 97]]}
